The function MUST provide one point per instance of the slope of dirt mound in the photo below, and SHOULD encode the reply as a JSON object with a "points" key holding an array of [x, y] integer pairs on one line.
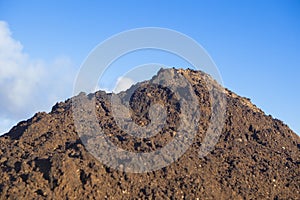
{"points": [[256, 156]]}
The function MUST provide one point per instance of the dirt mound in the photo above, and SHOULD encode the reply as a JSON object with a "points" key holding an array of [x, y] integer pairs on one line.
{"points": [[255, 157]]}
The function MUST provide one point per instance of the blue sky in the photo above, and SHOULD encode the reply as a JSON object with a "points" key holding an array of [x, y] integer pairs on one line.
{"points": [[255, 45]]}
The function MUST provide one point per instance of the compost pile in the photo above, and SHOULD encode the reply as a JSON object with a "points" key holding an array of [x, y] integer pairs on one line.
{"points": [[255, 157]]}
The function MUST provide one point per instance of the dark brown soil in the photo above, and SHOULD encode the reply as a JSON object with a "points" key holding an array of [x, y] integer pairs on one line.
{"points": [[256, 156]]}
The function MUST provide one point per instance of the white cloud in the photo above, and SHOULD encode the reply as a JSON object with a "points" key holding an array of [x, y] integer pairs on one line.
{"points": [[123, 83], [18, 75], [28, 85]]}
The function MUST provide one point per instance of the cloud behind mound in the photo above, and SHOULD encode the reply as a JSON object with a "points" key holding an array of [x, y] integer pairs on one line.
{"points": [[123, 83], [26, 84]]}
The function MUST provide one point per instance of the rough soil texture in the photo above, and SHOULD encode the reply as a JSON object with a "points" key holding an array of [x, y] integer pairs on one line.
{"points": [[256, 156]]}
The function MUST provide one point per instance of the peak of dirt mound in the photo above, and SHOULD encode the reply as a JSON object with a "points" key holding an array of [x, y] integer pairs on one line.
{"points": [[255, 156]]}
